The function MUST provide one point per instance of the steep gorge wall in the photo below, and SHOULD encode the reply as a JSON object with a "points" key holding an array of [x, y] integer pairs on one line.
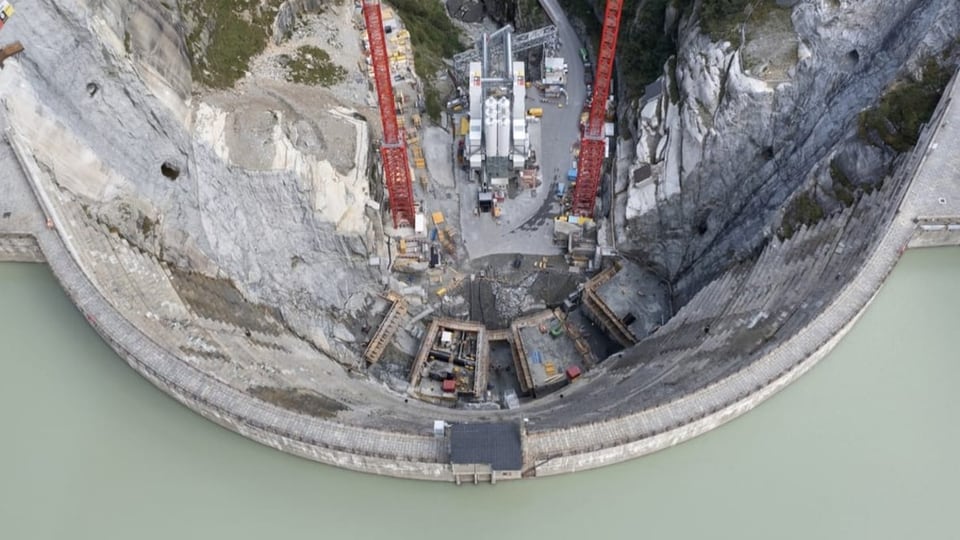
{"points": [[524, 15], [738, 131], [289, 11], [114, 113]]}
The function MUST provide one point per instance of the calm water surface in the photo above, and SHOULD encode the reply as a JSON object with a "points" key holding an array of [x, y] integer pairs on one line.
{"points": [[865, 446]]}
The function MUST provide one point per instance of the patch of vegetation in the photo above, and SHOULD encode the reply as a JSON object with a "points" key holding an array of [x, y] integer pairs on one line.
{"points": [[843, 189], [646, 45], [720, 19], [583, 11], [802, 210], [904, 108], [433, 37], [645, 42], [312, 65], [432, 102], [147, 225], [225, 35], [530, 14]]}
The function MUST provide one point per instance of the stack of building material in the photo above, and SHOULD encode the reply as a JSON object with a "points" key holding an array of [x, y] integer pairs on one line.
{"points": [[418, 160]]}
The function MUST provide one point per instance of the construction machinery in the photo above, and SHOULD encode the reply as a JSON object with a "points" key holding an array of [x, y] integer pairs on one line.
{"points": [[393, 149], [593, 141], [6, 11], [10, 50]]}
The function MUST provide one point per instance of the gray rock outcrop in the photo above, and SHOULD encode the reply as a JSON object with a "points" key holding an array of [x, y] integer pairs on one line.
{"points": [[245, 187], [754, 125]]}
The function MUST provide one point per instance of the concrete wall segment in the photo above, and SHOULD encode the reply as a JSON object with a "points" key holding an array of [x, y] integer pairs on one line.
{"points": [[549, 452]]}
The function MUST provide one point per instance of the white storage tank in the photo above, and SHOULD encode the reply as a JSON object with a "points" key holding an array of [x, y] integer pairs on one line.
{"points": [[490, 126], [503, 127]]}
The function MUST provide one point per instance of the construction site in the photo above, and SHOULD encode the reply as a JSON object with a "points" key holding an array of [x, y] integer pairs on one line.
{"points": [[312, 250], [490, 216]]}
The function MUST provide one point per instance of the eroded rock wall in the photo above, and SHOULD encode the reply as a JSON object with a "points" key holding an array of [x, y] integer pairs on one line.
{"points": [[266, 186], [739, 130]]}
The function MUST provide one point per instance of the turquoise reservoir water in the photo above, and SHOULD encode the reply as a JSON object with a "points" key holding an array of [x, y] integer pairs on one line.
{"points": [[865, 446]]}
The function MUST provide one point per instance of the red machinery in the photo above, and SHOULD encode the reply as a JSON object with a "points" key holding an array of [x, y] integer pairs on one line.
{"points": [[590, 164], [393, 150]]}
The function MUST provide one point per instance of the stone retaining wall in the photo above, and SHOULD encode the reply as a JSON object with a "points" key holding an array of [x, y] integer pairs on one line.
{"points": [[322, 441], [423, 457], [20, 248], [701, 411]]}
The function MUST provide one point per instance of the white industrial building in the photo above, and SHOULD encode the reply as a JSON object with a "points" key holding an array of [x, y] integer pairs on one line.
{"points": [[497, 142], [554, 79]]}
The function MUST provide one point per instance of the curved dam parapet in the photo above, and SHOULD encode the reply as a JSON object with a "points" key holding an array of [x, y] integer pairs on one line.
{"points": [[147, 243], [767, 323]]}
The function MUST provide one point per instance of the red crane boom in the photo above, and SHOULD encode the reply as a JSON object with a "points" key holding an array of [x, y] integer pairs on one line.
{"points": [[393, 150], [590, 164]]}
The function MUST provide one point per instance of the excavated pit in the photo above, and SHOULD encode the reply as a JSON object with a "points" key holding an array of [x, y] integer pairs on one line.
{"points": [[258, 259]]}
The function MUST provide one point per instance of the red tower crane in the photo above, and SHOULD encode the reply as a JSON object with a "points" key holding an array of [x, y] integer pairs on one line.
{"points": [[393, 149], [592, 143]]}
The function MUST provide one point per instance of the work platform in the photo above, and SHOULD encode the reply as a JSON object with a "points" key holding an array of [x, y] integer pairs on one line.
{"points": [[548, 353], [386, 330], [626, 302], [452, 362]]}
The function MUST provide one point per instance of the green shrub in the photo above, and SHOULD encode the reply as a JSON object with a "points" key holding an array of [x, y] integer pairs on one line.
{"points": [[802, 210], [236, 30], [432, 102], [904, 108], [433, 37], [432, 34], [843, 189], [719, 19], [312, 65], [644, 43]]}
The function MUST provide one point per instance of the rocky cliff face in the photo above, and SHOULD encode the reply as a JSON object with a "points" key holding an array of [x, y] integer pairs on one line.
{"points": [[740, 130], [288, 13], [265, 185], [524, 15]]}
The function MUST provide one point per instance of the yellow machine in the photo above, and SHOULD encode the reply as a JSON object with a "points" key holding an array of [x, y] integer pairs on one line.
{"points": [[6, 11]]}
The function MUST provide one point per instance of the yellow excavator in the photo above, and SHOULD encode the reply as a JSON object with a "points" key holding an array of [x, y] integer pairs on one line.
{"points": [[6, 11]]}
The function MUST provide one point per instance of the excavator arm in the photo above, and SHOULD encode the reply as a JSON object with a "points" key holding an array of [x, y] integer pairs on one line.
{"points": [[9, 50]]}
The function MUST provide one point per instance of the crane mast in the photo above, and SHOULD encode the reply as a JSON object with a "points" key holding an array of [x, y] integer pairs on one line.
{"points": [[592, 143], [393, 149]]}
